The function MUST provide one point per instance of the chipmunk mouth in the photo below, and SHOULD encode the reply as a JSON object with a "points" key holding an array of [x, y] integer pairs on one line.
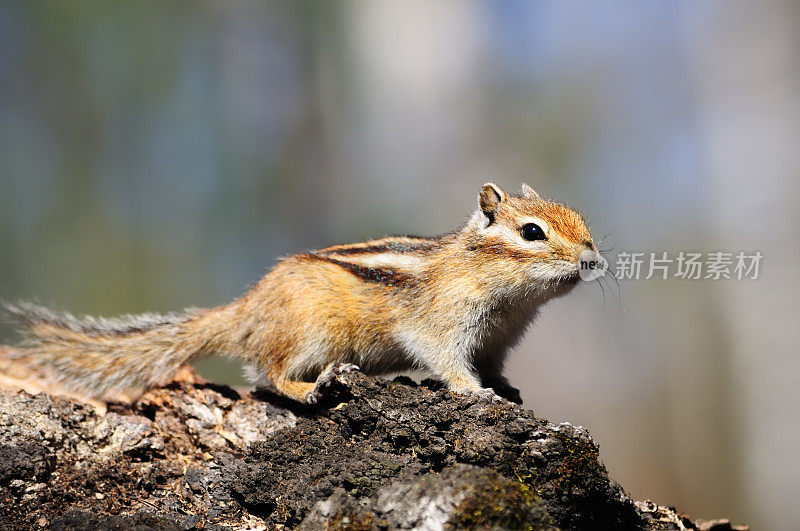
{"points": [[564, 283]]}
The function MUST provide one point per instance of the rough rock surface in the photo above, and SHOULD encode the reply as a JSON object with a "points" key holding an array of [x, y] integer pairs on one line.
{"points": [[377, 455]]}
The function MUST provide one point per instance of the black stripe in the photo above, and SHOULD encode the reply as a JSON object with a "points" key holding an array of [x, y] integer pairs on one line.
{"points": [[380, 275]]}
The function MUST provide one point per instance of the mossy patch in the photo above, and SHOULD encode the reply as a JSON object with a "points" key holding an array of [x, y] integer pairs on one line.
{"points": [[502, 503], [580, 462], [350, 521]]}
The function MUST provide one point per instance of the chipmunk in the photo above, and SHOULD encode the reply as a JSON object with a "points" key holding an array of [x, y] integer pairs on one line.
{"points": [[451, 305]]}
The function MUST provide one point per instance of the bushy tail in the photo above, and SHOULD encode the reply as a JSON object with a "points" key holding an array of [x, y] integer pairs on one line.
{"points": [[97, 354]]}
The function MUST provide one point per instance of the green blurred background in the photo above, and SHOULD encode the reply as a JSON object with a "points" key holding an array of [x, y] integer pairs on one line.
{"points": [[158, 155]]}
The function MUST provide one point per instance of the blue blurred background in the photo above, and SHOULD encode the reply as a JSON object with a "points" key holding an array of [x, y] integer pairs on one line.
{"points": [[157, 155]]}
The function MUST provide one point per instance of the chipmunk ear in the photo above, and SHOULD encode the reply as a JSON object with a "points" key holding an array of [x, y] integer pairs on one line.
{"points": [[490, 198], [528, 192]]}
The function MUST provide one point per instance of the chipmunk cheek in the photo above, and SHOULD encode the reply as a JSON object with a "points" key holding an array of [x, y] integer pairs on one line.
{"points": [[561, 252], [539, 257], [567, 250]]}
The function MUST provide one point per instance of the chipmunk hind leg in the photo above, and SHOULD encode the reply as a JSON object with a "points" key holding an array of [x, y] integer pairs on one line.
{"points": [[326, 378], [309, 392], [293, 389]]}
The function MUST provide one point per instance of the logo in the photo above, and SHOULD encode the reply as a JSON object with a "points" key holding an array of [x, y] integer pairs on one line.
{"points": [[591, 265]]}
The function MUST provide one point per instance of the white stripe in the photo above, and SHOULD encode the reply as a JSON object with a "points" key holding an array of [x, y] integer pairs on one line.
{"points": [[398, 262]]}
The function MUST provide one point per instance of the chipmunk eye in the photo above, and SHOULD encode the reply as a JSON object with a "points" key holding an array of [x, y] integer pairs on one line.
{"points": [[532, 232]]}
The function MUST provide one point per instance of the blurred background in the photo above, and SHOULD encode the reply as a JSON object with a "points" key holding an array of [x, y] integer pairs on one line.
{"points": [[158, 155]]}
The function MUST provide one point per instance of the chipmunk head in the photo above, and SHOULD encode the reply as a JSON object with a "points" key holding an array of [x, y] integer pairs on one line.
{"points": [[530, 240]]}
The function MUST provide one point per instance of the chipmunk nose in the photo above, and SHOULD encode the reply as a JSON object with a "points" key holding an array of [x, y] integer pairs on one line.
{"points": [[589, 244]]}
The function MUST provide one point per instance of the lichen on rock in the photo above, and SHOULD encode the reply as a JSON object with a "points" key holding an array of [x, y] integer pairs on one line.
{"points": [[377, 455]]}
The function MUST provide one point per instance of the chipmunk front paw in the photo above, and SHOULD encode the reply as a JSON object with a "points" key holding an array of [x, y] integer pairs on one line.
{"points": [[486, 394], [326, 378], [505, 390]]}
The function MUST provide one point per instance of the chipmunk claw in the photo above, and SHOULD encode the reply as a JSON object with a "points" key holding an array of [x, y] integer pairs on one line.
{"points": [[506, 391], [488, 395], [326, 378], [343, 368]]}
